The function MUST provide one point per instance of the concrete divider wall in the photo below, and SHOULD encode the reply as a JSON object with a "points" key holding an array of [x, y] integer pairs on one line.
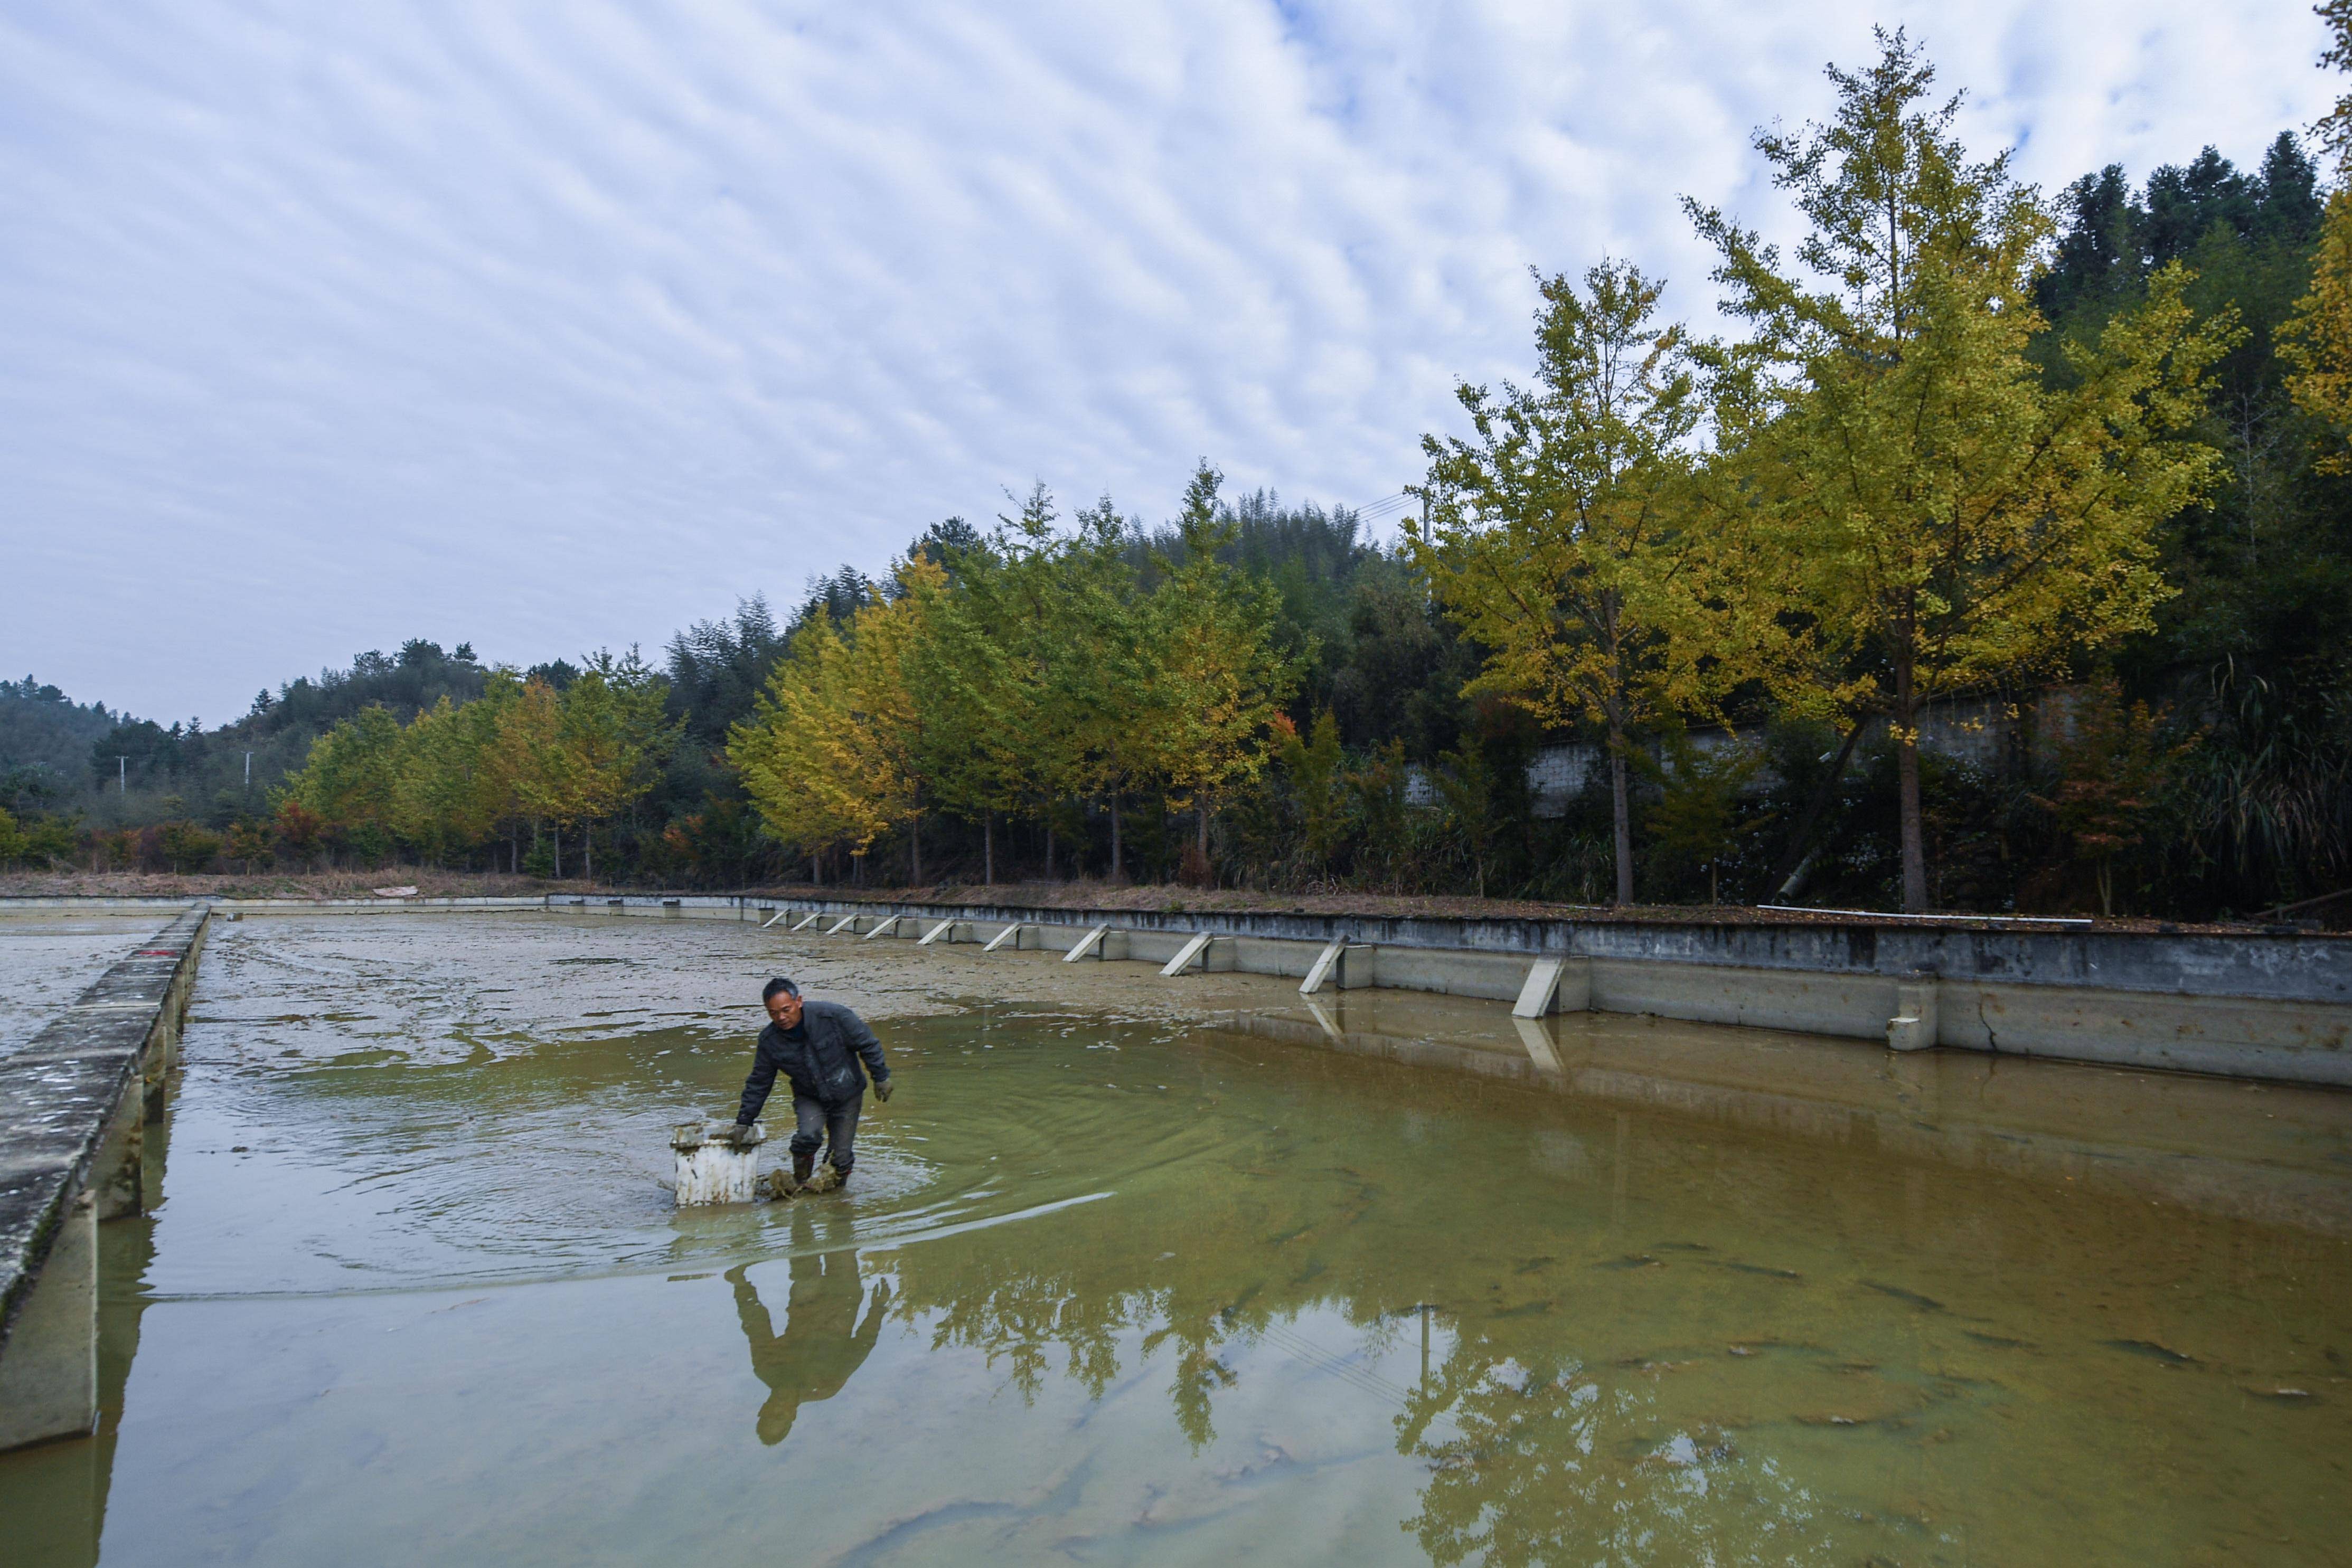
{"points": [[74, 1104], [2247, 1004], [2293, 967]]}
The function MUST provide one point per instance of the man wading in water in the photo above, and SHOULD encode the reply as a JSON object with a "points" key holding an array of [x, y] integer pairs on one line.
{"points": [[817, 1047]]}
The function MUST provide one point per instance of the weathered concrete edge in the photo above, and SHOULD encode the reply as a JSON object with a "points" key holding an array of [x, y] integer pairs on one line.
{"points": [[2250, 965], [60, 1094], [1851, 988], [2253, 965], [70, 905], [62, 905]]}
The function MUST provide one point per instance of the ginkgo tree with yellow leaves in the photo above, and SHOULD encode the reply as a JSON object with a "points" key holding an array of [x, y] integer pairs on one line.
{"points": [[522, 753], [1220, 680], [833, 754], [1559, 538], [1041, 670], [1948, 520], [974, 679], [612, 735], [2317, 341]]}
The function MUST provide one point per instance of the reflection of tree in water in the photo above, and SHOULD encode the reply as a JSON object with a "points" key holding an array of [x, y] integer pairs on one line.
{"points": [[1019, 1315], [1549, 1461], [1192, 1279], [1540, 1446], [1020, 1318], [822, 1344], [1199, 1372], [1649, 1340], [1533, 1457]]}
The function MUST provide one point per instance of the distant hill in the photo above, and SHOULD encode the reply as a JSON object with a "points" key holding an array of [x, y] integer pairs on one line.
{"points": [[58, 755], [45, 743]]}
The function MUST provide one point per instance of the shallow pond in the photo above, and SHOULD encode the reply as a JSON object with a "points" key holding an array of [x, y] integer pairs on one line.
{"points": [[1384, 1281]]}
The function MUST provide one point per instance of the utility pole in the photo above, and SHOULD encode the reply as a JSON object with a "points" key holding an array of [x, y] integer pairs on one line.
{"points": [[121, 775], [248, 772]]}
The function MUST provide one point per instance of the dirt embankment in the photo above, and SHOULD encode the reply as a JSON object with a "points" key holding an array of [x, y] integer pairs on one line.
{"points": [[273, 885], [1160, 898]]}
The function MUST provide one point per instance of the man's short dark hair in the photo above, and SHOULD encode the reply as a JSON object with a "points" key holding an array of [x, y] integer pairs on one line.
{"points": [[768, 991]]}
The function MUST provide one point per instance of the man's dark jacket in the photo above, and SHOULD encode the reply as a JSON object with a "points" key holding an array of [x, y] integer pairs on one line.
{"points": [[819, 1059]]}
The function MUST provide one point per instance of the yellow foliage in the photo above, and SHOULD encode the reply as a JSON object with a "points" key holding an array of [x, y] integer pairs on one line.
{"points": [[1557, 539], [1947, 518], [451, 776], [1206, 682], [832, 753], [2317, 339]]}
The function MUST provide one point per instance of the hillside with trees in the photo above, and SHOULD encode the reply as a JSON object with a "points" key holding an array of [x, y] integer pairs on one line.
{"points": [[1999, 559]]}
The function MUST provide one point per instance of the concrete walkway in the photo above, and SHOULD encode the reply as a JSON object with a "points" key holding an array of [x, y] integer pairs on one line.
{"points": [[74, 1103]]}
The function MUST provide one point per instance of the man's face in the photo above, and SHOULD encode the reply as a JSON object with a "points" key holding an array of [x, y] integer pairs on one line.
{"points": [[785, 1008]]}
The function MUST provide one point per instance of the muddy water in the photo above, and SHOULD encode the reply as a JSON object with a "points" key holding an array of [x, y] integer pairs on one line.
{"points": [[1135, 1272]]}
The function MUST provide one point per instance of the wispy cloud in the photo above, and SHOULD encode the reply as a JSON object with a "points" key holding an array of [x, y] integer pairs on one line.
{"points": [[556, 326]]}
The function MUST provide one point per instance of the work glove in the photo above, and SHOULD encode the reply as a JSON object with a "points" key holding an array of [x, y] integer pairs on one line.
{"points": [[882, 1087], [739, 1133]]}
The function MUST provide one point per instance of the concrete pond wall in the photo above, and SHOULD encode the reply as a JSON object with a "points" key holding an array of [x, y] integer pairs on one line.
{"points": [[2253, 1004], [75, 1102], [2250, 1005]]}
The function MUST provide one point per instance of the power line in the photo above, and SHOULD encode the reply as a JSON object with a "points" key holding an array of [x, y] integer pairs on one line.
{"points": [[1386, 506]]}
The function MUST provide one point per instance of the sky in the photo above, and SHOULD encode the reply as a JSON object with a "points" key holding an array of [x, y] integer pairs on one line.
{"points": [[553, 327]]}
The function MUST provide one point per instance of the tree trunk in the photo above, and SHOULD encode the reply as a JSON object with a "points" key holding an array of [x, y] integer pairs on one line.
{"points": [[915, 843], [1204, 830], [588, 853], [1907, 763], [1783, 880], [1115, 862], [1621, 805], [557, 828], [1049, 841], [1621, 811], [988, 849]]}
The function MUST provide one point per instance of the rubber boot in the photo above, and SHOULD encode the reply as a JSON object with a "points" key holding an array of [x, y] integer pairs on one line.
{"points": [[840, 1177], [802, 1165]]}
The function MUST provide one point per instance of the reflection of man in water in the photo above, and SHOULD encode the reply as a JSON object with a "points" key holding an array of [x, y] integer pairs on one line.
{"points": [[822, 1342]]}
